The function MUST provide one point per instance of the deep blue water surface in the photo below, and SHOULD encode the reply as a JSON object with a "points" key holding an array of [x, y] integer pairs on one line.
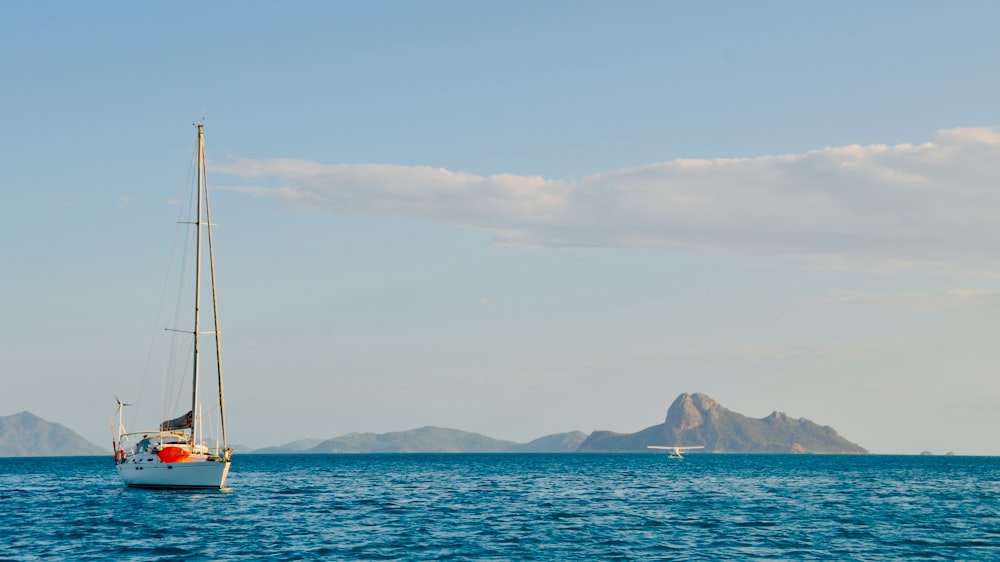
{"points": [[513, 507]]}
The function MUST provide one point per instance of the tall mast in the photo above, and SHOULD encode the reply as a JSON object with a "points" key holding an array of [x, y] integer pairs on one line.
{"points": [[197, 282], [215, 316]]}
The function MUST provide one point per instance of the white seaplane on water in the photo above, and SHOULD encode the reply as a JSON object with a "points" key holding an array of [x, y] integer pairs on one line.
{"points": [[675, 451]]}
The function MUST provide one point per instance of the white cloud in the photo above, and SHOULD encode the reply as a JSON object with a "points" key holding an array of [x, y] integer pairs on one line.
{"points": [[930, 205], [419, 191]]}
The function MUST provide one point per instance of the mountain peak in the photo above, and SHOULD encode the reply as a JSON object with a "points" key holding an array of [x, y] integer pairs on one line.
{"points": [[698, 420], [777, 416], [26, 435], [691, 410]]}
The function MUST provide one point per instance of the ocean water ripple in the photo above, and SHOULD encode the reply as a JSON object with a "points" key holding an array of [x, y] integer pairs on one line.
{"points": [[513, 507]]}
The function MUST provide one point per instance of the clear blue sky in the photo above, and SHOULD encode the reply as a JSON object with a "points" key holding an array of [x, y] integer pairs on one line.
{"points": [[515, 218]]}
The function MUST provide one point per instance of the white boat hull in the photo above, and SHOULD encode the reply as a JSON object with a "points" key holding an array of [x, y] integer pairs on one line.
{"points": [[148, 471]]}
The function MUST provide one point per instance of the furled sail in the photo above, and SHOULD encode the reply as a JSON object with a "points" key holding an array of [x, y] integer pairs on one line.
{"points": [[182, 422]]}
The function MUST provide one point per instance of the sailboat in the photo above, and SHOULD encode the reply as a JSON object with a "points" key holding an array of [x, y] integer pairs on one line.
{"points": [[176, 455]]}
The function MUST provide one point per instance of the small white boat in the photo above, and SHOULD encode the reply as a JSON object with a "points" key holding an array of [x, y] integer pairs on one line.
{"points": [[176, 455]]}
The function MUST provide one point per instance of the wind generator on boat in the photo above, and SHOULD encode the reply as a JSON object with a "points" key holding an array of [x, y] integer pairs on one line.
{"points": [[176, 455]]}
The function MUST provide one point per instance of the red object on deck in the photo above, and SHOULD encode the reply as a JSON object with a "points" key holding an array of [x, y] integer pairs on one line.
{"points": [[173, 454]]}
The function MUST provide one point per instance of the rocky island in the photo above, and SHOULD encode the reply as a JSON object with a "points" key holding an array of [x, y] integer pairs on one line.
{"points": [[696, 419]]}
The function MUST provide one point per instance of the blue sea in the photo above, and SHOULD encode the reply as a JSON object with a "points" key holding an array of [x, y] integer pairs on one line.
{"points": [[513, 507]]}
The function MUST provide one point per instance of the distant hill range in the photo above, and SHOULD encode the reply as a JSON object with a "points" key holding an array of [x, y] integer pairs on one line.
{"points": [[696, 419], [27, 435], [429, 440], [692, 419]]}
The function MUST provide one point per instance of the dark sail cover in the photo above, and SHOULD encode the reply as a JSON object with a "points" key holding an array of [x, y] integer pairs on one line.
{"points": [[182, 422]]}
